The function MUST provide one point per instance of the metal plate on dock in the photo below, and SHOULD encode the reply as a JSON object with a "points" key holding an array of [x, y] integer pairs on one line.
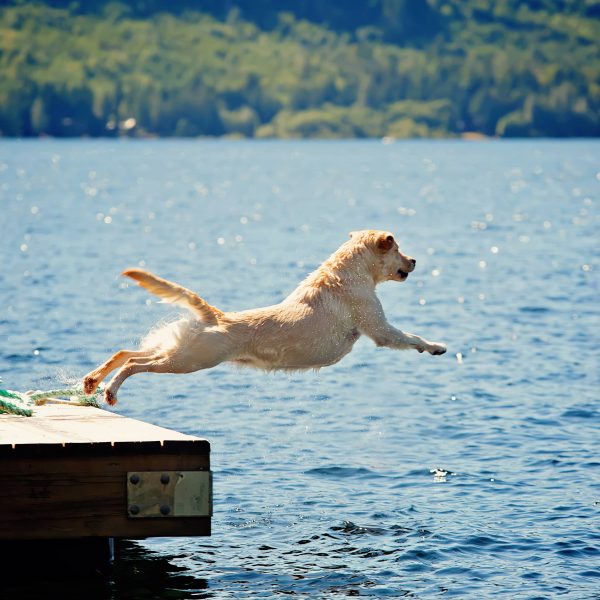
{"points": [[169, 494]]}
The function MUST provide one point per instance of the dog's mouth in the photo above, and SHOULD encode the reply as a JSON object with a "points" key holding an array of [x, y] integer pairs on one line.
{"points": [[402, 273]]}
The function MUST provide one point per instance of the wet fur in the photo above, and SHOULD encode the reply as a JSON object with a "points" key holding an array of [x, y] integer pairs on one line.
{"points": [[315, 326]]}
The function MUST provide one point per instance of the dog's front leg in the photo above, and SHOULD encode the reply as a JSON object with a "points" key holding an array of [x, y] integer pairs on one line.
{"points": [[394, 338], [373, 323]]}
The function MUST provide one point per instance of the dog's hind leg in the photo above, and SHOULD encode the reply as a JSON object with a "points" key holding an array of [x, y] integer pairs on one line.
{"points": [[93, 378], [143, 364], [206, 354]]}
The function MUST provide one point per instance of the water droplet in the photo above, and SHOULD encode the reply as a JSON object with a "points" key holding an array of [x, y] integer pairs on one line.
{"points": [[192, 245], [585, 268], [460, 300], [494, 249], [221, 241], [35, 210], [422, 301], [201, 189], [436, 272], [24, 247], [410, 212], [244, 220], [459, 359], [482, 264], [108, 220]]}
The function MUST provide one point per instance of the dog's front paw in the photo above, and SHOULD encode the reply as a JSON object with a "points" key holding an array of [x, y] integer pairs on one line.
{"points": [[436, 349]]}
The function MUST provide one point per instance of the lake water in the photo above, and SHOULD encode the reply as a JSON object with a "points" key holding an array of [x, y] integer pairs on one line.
{"points": [[390, 474]]}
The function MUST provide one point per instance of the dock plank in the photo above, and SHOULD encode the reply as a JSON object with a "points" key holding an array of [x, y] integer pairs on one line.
{"points": [[63, 424]]}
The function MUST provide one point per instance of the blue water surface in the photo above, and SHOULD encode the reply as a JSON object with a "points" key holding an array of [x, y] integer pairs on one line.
{"points": [[391, 474]]}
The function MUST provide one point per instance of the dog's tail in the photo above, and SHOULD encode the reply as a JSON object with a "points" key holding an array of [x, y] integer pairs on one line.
{"points": [[176, 294]]}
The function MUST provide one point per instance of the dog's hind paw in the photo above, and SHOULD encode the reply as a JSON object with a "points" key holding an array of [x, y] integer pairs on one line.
{"points": [[89, 385], [109, 397]]}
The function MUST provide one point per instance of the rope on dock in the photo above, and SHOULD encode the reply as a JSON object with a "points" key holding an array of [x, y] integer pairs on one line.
{"points": [[23, 403]]}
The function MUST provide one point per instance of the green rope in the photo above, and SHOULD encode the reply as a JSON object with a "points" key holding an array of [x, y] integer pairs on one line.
{"points": [[14, 403], [75, 395], [17, 403]]}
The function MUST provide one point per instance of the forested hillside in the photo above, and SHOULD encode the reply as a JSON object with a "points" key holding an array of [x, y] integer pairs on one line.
{"points": [[300, 68]]}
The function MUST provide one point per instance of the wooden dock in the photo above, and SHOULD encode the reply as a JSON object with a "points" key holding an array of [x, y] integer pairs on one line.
{"points": [[78, 472]]}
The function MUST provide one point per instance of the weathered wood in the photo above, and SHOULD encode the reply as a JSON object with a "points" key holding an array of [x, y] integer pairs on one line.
{"points": [[63, 424], [63, 474]]}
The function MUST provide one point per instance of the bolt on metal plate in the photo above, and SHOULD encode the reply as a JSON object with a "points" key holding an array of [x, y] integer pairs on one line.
{"points": [[167, 494]]}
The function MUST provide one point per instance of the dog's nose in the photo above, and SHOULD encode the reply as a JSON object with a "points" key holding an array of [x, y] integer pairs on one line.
{"points": [[413, 262]]}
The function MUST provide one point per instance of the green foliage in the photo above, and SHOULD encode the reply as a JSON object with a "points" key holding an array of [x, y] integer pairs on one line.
{"points": [[300, 68]]}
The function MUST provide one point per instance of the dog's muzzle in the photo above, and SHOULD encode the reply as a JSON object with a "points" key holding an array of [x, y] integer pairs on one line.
{"points": [[402, 273]]}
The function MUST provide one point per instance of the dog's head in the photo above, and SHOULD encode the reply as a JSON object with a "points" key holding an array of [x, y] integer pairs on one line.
{"points": [[391, 264]]}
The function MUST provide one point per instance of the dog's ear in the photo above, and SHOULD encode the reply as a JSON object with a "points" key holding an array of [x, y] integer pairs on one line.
{"points": [[385, 242]]}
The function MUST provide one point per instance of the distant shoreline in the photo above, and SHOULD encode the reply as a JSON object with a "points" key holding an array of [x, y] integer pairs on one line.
{"points": [[406, 69]]}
